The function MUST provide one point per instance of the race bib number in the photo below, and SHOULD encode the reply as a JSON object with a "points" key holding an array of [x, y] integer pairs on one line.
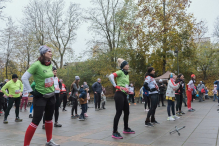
{"points": [[17, 91], [57, 88], [26, 94], [63, 89], [49, 82]]}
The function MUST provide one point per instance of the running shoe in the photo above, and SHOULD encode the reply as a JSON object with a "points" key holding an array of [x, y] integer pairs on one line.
{"points": [[18, 119], [175, 117], [170, 118], [73, 117], [155, 122], [43, 126], [64, 110], [190, 110], [128, 131], [117, 135], [179, 114], [182, 112], [148, 124], [51, 143], [81, 119], [193, 109], [30, 116], [5, 121], [147, 110], [56, 124], [85, 114], [77, 116]]}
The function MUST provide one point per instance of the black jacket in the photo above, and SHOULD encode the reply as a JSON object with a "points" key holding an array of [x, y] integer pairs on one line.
{"points": [[180, 90], [97, 87], [161, 88]]}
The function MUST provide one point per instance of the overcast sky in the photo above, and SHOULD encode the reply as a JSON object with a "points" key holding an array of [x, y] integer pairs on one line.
{"points": [[202, 9]]}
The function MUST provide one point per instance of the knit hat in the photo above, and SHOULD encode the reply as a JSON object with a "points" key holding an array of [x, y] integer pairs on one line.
{"points": [[121, 63], [150, 69], [85, 86], [14, 76], [43, 49], [77, 78]]}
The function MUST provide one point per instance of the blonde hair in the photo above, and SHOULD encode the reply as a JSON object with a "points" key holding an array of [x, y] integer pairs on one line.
{"points": [[119, 61]]}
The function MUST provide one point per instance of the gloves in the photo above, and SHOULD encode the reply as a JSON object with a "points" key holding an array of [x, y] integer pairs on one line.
{"points": [[124, 89]]}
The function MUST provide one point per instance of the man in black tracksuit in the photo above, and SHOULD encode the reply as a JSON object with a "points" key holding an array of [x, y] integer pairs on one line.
{"points": [[97, 89]]}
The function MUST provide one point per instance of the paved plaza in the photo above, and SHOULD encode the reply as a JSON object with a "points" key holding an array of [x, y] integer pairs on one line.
{"points": [[202, 128]]}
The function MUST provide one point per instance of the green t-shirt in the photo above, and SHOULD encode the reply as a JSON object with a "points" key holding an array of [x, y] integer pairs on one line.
{"points": [[43, 77], [14, 88], [122, 79]]}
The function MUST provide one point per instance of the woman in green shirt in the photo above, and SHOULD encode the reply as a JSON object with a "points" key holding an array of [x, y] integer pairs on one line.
{"points": [[120, 97], [44, 94]]}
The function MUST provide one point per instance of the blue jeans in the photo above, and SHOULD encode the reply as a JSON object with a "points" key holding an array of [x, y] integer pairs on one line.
{"points": [[83, 106], [215, 96]]}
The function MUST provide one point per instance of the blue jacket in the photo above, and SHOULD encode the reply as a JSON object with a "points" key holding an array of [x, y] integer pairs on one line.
{"points": [[217, 82], [145, 92], [97, 87], [83, 94]]}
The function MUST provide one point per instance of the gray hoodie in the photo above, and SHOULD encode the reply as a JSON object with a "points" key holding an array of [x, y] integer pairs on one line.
{"points": [[75, 90]]}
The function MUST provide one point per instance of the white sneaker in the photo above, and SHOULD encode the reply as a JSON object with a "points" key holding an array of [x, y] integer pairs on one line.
{"points": [[170, 118], [147, 110], [175, 117]]}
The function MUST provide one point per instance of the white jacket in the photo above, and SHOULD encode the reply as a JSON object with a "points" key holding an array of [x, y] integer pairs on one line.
{"points": [[171, 88]]}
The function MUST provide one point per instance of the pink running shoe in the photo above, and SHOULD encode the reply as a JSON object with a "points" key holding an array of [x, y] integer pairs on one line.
{"points": [[85, 114]]}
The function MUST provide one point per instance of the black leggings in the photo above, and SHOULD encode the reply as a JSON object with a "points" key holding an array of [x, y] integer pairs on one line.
{"points": [[63, 98], [131, 98], [151, 112], [43, 105], [97, 100], [179, 99], [10, 104], [3, 103], [146, 101], [122, 104], [170, 104], [74, 107], [160, 99]]}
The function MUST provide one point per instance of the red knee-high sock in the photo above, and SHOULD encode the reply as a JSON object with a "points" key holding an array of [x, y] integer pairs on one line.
{"points": [[48, 128], [29, 134]]}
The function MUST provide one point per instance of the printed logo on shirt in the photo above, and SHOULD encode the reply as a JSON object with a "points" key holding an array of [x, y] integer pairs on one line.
{"points": [[17, 91], [44, 71]]}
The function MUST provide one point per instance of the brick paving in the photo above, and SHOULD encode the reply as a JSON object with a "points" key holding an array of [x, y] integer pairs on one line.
{"points": [[202, 128]]}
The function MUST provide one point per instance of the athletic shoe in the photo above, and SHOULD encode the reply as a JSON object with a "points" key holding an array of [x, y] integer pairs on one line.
{"points": [[117, 135], [182, 112], [5, 121], [148, 124], [51, 143], [81, 119], [30, 116], [73, 117], [18, 120], [85, 114], [170, 119], [128, 131], [155, 122], [43, 126], [77, 116], [179, 114], [64, 110], [193, 109], [190, 110], [175, 117], [97, 109], [147, 110], [56, 124]]}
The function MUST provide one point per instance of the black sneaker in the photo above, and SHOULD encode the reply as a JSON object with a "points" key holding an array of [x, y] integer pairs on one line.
{"points": [[43, 127], [30, 116], [128, 131], [81, 119], [155, 122], [56, 124], [18, 119], [64, 110], [182, 112], [148, 124], [73, 117], [117, 135]]}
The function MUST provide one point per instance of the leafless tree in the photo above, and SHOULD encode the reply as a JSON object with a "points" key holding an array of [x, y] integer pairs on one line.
{"points": [[216, 28]]}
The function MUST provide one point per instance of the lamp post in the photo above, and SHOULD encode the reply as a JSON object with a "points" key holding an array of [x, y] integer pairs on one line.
{"points": [[177, 55]]}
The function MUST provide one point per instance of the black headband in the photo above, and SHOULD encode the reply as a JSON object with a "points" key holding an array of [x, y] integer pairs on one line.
{"points": [[123, 64]]}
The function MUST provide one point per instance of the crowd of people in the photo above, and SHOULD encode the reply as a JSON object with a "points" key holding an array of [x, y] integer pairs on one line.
{"points": [[50, 94]]}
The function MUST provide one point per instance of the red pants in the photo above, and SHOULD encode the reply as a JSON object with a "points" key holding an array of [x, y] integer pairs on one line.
{"points": [[189, 99], [24, 99]]}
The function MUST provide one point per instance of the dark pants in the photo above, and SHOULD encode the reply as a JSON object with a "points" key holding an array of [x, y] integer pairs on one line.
{"points": [[179, 99], [171, 105], [184, 97], [200, 96], [74, 106], [160, 99], [63, 97], [3, 103], [131, 98], [121, 103], [86, 107], [146, 102], [97, 100], [83, 107], [10, 104], [151, 112], [43, 105]]}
